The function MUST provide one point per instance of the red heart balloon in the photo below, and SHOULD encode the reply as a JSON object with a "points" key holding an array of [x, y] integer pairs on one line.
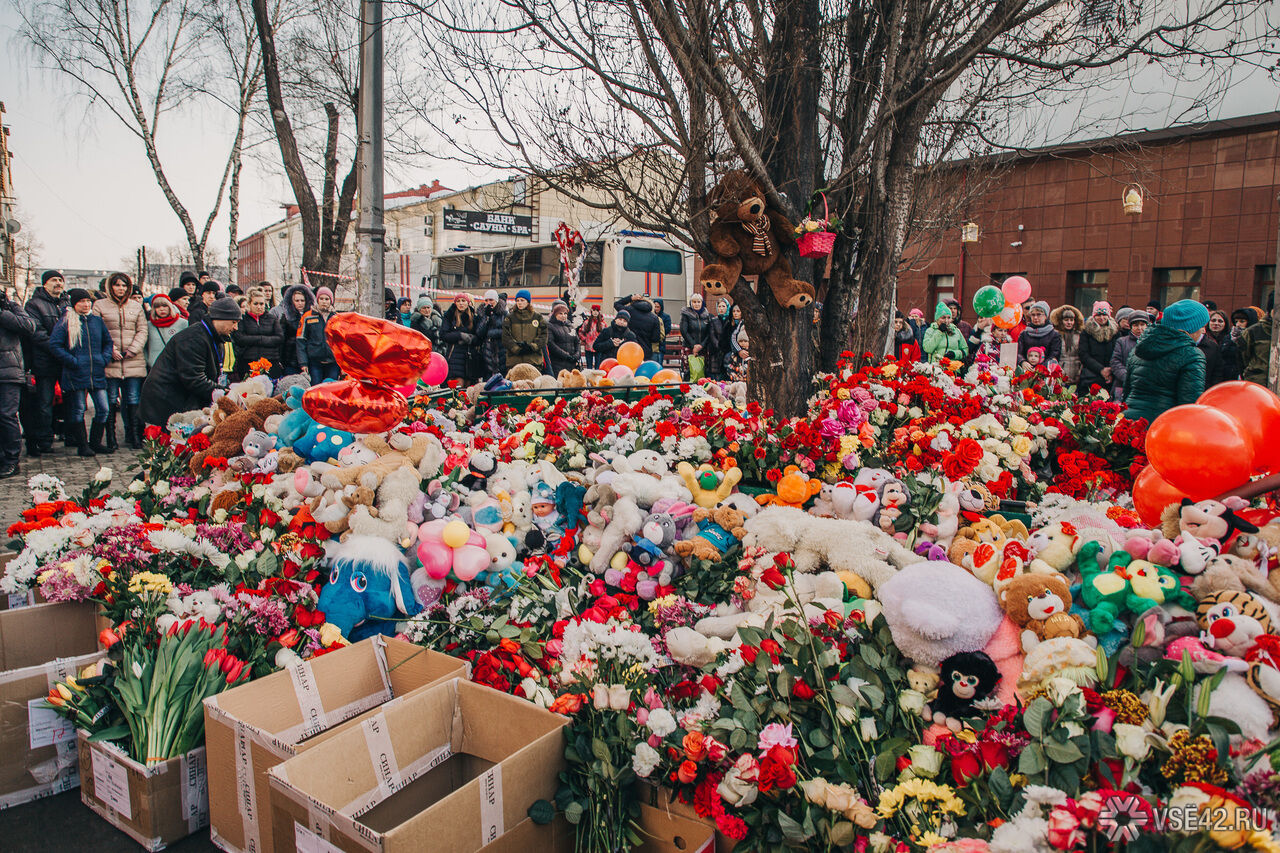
{"points": [[354, 406], [1200, 450], [1257, 410], [1151, 494], [376, 349]]}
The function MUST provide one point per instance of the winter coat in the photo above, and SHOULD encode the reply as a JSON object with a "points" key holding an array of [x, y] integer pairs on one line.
{"points": [[1120, 363], [1070, 360], [16, 326], [127, 325], [983, 346], [524, 337], [1255, 350], [645, 325], [427, 325], [158, 338], [562, 346], [1165, 370], [1212, 359], [731, 330], [313, 347], [695, 330], [719, 343], [461, 344], [85, 365], [47, 312], [490, 351], [184, 376], [590, 330], [1230, 367], [665, 319], [1041, 336], [942, 343], [196, 309], [1096, 345], [258, 337], [605, 346], [904, 343], [290, 318]]}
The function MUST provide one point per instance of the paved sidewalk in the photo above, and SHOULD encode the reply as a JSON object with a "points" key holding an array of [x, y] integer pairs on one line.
{"points": [[64, 464]]}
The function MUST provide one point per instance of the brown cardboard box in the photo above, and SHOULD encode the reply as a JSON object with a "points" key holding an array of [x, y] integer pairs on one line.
{"points": [[156, 804], [255, 726], [38, 646], [448, 768], [13, 601], [554, 837], [664, 801], [660, 831]]}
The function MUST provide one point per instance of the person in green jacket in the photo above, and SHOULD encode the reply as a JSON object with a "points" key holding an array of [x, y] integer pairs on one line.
{"points": [[943, 339], [1255, 347], [524, 333], [1166, 368]]}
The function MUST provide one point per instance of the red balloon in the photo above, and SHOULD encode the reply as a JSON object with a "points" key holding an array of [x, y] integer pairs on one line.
{"points": [[1200, 450], [1257, 410], [1151, 494], [355, 406], [376, 349]]}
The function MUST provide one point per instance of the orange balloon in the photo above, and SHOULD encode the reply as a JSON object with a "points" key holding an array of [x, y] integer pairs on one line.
{"points": [[1151, 494], [665, 375], [631, 354], [355, 406], [1200, 450], [1257, 410], [376, 349], [1009, 317], [609, 364]]}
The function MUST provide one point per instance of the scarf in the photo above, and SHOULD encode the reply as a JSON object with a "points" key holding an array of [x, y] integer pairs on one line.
{"points": [[166, 322], [759, 229]]}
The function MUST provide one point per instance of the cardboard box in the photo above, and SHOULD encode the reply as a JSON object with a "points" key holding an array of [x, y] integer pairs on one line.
{"points": [[156, 804], [254, 727], [449, 768], [661, 831], [12, 601], [554, 837], [664, 801], [39, 646]]}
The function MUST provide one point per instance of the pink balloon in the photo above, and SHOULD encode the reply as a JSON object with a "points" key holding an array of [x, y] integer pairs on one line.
{"points": [[1016, 289], [436, 557], [437, 370], [620, 371], [469, 561]]}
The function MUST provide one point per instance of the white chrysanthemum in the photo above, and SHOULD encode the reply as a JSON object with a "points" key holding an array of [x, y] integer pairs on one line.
{"points": [[660, 722], [645, 761]]}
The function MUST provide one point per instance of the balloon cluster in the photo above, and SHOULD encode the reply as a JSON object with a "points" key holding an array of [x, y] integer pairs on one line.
{"points": [[1003, 304], [448, 545], [1208, 448], [630, 364], [382, 359]]}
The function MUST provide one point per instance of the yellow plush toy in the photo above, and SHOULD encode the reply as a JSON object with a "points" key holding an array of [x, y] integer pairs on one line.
{"points": [[708, 485]]}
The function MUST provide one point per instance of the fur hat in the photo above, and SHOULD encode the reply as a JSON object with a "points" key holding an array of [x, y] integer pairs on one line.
{"points": [[177, 293], [209, 286], [188, 276]]}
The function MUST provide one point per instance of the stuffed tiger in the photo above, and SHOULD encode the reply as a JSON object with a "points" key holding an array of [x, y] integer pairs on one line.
{"points": [[1239, 625]]}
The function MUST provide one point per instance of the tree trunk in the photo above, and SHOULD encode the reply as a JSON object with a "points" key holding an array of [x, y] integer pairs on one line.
{"points": [[233, 215]]}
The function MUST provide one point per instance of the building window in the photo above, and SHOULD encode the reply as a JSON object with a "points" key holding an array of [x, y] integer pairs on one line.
{"points": [[662, 261], [1087, 287], [1264, 283], [1174, 283], [941, 288], [520, 191]]}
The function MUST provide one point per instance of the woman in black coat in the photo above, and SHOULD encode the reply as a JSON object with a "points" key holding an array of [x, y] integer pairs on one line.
{"points": [[562, 343], [258, 336], [719, 352], [460, 339], [695, 330]]}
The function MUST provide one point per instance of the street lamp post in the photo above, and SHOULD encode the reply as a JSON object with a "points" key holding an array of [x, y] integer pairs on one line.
{"points": [[370, 230]]}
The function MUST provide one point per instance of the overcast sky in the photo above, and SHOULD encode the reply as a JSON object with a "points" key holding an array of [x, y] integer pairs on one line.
{"points": [[84, 186]]}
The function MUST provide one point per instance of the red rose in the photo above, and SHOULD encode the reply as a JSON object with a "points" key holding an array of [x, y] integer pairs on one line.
{"points": [[749, 653], [993, 754], [773, 578], [802, 691], [964, 767]]}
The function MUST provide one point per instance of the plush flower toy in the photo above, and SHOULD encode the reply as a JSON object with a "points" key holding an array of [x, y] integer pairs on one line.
{"points": [[448, 545]]}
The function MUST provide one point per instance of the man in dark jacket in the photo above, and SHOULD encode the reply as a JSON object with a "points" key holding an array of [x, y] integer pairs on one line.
{"points": [[191, 365], [1255, 347], [645, 325], [200, 305], [1166, 368], [16, 327], [46, 307], [659, 311], [615, 335], [490, 317]]}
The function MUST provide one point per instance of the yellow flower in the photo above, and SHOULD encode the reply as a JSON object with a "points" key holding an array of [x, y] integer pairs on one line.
{"points": [[1021, 445], [1262, 840], [929, 839], [329, 634], [1017, 424], [842, 393], [150, 582]]}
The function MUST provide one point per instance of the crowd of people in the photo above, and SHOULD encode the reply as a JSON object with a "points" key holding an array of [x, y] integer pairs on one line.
{"points": [[139, 360], [1151, 359]]}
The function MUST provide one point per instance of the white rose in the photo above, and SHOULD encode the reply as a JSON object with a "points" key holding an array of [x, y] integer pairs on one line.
{"points": [[286, 657], [846, 715], [1131, 740], [925, 760], [911, 701], [867, 729], [161, 488], [1060, 689], [103, 475], [137, 487], [815, 791], [661, 723], [735, 790]]}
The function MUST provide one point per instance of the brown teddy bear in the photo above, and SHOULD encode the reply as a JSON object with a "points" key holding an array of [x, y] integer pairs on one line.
{"points": [[572, 379], [231, 425], [381, 456], [1040, 604], [750, 238], [523, 376], [717, 531]]}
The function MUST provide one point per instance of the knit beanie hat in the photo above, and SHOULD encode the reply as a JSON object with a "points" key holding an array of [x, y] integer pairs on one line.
{"points": [[224, 308], [943, 310], [324, 291], [559, 303], [48, 274], [209, 286], [1039, 350], [623, 314], [491, 294], [916, 312], [177, 293], [188, 276], [1185, 315], [1101, 307], [424, 302], [524, 294], [1125, 313], [1040, 305], [1138, 317], [77, 294]]}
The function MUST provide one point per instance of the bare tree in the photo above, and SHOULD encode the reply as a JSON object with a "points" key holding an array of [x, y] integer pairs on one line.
{"points": [[127, 59], [639, 105]]}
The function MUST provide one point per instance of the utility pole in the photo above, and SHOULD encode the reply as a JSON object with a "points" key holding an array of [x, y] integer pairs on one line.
{"points": [[370, 231]]}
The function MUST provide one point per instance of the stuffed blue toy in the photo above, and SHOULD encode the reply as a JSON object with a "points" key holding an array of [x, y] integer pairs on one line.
{"points": [[312, 441], [368, 589]]}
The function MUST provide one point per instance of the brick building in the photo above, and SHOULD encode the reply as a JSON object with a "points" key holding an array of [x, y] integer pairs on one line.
{"points": [[1207, 227]]}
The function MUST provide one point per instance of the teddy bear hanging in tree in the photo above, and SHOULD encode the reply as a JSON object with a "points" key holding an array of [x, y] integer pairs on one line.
{"points": [[749, 238]]}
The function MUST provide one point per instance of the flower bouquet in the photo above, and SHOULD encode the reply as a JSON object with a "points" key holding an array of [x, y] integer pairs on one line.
{"points": [[816, 237]]}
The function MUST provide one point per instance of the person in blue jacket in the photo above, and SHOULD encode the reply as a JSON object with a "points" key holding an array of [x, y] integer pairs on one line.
{"points": [[82, 343]]}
